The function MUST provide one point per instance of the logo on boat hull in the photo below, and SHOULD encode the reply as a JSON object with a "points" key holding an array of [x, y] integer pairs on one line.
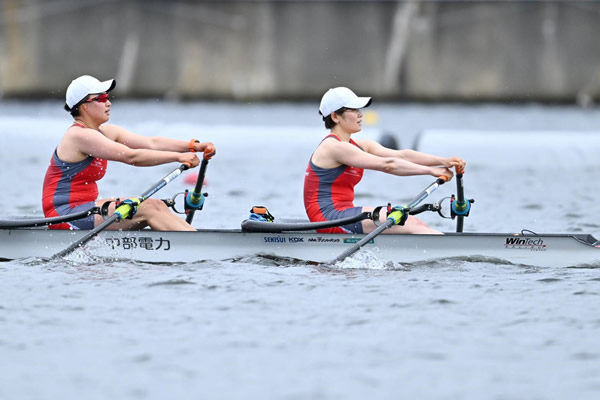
{"points": [[283, 239], [356, 240], [525, 244], [321, 239]]}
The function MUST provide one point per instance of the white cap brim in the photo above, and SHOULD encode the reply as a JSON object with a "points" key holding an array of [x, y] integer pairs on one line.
{"points": [[359, 102], [85, 85], [340, 97], [105, 86]]}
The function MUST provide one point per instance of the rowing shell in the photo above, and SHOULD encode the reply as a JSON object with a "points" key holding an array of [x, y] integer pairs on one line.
{"points": [[550, 250]]}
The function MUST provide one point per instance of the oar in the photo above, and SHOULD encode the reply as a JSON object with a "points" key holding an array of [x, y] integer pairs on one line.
{"points": [[393, 219], [123, 211], [460, 206], [195, 199]]}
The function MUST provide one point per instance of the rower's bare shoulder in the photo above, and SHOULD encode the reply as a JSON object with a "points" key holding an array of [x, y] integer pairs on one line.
{"points": [[331, 146], [366, 144], [78, 132], [112, 131]]}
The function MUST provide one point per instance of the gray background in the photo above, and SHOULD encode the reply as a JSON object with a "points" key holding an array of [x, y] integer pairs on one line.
{"points": [[289, 50]]}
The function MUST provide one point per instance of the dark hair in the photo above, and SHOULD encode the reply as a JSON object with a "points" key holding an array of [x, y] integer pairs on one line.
{"points": [[74, 111], [329, 122]]}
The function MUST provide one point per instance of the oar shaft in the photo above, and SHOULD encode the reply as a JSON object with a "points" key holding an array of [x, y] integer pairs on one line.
{"points": [[460, 198], [89, 236], [389, 222], [163, 182], [426, 192], [126, 209], [197, 189], [460, 190], [201, 175], [365, 240]]}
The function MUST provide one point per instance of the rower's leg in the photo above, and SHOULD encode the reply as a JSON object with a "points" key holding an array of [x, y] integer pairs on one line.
{"points": [[412, 225], [153, 213]]}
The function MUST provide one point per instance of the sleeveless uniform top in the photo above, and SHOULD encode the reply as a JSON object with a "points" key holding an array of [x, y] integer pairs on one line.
{"points": [[328, 192], [69, 185]]}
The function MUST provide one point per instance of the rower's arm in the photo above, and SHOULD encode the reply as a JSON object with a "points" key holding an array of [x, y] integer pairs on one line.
{"points": [[348, 154], [93, 143], [136, 141], [413, 156]]}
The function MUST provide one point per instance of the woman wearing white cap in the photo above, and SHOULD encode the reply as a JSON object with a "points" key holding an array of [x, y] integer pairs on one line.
{"points": [[338, 163], [80, 160]]}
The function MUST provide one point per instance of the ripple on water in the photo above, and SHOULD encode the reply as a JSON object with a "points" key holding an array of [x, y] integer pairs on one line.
{"points": [[590, 225], [172, 282], [585, 356], [585, 293], [550, 280], [442, 301], [595, 265], [532, 206], [236, 193], [271, 261]]}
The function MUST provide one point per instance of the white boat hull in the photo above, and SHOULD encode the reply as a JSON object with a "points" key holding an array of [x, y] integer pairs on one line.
{"points": [[153, 246]]}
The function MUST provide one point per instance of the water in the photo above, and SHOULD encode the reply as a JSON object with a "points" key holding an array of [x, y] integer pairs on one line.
{"points": [[280, 329]]}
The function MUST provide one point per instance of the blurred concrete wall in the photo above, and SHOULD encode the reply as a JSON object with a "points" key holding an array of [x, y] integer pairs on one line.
{"points": [[505, 50]]}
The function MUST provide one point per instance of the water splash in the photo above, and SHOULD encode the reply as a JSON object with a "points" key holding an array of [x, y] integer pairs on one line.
{"points": [[365, 259]]}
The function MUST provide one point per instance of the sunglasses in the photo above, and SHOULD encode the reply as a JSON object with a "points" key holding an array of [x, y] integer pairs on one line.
{"points": [[103, 98]]}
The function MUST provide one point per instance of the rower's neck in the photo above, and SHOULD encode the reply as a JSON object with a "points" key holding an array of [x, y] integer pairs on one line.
{"points": [[343, 135], [86, 123]]}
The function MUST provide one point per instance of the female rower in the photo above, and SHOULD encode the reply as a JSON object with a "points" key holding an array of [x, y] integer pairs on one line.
{"points": [[80, 160], [338, 163]]}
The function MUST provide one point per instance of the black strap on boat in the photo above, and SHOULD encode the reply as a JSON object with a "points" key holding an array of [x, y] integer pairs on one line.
{"points": [[250, 225], [32, 223], [267, 225]]}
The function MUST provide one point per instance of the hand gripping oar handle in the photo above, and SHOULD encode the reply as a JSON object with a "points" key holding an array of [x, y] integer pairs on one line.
{"points": [[195, 199], [392, 220], [123, 211]]}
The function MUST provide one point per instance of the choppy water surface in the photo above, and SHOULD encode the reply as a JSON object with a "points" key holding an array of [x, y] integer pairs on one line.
{"points": [[264, 328]]}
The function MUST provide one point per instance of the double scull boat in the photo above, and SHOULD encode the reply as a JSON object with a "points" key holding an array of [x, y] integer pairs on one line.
{"points": [[551, 250], [263, 236]]}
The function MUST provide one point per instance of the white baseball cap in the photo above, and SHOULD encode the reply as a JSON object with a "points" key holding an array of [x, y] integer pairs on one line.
{"points": [[339, 97], [85, 85]]}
